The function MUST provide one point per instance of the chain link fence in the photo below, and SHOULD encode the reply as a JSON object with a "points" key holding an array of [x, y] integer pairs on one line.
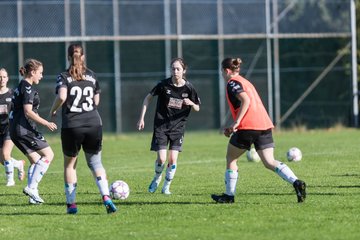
{"points": [[285, 45]]}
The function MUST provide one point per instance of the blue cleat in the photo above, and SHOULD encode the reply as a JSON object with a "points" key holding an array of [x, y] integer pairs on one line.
{"points": [[71, 208], [110, 206]]}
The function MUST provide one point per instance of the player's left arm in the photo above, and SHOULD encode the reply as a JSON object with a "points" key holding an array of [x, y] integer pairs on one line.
{"points": [[193, 100], [29, 113], [194, 106], [97, 99]]}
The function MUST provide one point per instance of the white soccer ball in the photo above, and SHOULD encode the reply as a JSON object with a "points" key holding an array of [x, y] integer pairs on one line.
{"points": [[252, 155], [119, 190], [294, 154]]}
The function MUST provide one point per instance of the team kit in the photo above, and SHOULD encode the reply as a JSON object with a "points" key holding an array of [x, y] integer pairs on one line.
{"points": [[76, 101]]}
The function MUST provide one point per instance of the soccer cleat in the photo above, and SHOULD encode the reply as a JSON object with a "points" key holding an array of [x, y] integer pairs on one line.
{"points": [[10, 183], [166, 188], [21, 172], [165, 191], [154, 184], [300, 189], [110, 206], [71, 208], [224, 198], [33, 193], [33, 202]]}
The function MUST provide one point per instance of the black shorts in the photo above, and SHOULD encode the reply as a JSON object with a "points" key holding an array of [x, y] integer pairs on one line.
{"points": [[161, 140], [3, 137], [261, 139], [31, 142], [89, 138]]}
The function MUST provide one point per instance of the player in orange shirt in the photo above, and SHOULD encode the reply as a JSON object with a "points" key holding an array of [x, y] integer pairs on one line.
{"points": [[252, 125]]}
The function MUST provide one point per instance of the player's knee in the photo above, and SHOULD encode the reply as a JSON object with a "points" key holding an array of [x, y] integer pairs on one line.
{"points": [[94, 161], [49, 156]]}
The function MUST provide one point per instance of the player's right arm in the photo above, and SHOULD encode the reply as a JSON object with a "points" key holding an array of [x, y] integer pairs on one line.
{"points": [[59, 101], [141, 122], [244, 106]]}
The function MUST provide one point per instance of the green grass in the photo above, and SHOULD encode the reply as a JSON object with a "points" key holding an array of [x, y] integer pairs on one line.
{"points": [[265, 206]]}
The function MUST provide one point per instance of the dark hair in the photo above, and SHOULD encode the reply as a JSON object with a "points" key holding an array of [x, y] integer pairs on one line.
{"points": [[30, 65], [231, 63], [77, 66], [181, 61]]}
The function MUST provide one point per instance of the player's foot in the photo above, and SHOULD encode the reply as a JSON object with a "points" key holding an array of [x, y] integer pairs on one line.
{"points": [[21, 172], [71, 208], [154, 184], [224, 198], [166, 188], [110, 206], [300, 189], [33, 193], [33, 202], [10, 183]]}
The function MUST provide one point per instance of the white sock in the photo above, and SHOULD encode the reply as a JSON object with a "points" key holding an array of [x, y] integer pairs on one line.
{"points": [[16, 163], [231, 178], [9, 170], [30, 172], [158, 169], [70, 192], [170, 173], [103, 185], [285, 173], [41, 166]]}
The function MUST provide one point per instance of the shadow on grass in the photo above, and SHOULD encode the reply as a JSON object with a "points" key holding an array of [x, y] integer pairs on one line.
{"points": [[48, 214], [338, 186], [346, 175]]}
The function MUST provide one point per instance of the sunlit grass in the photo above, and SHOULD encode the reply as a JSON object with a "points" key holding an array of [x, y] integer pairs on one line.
{"points": [[265, 206]]}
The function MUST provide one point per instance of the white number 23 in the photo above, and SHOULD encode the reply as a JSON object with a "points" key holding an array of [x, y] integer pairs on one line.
{"points": [[88, 104]]}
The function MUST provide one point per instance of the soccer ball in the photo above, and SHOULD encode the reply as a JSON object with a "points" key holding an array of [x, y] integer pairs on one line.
{"points": [[119, 190], [294, 154], [252, 155]]}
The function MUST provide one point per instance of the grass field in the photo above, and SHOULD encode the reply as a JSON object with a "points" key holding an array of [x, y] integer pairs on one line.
{"points": [[265, 207]]}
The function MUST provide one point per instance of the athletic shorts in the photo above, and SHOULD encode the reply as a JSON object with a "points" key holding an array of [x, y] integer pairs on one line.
{"points": [[31, 142], [3, 137], [161, 140], [261, 139], [89, 138]]}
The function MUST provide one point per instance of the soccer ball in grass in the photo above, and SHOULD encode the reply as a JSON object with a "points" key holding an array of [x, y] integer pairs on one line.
{"points": [[294, 154], [119, 190], [252, 155]]}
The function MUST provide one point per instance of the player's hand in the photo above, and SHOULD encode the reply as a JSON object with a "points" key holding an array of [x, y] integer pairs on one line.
{"points": [[228, 131], [140, 125], [52, 115], [51, 126], [188, 102]]}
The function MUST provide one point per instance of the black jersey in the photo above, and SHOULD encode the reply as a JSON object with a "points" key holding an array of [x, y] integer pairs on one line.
{"points": [[79, 110], [24, 94], [171, 113], [5, 108]]}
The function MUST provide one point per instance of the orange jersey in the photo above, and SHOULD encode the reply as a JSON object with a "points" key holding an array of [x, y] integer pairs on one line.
{"points": [[256, 117]]}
